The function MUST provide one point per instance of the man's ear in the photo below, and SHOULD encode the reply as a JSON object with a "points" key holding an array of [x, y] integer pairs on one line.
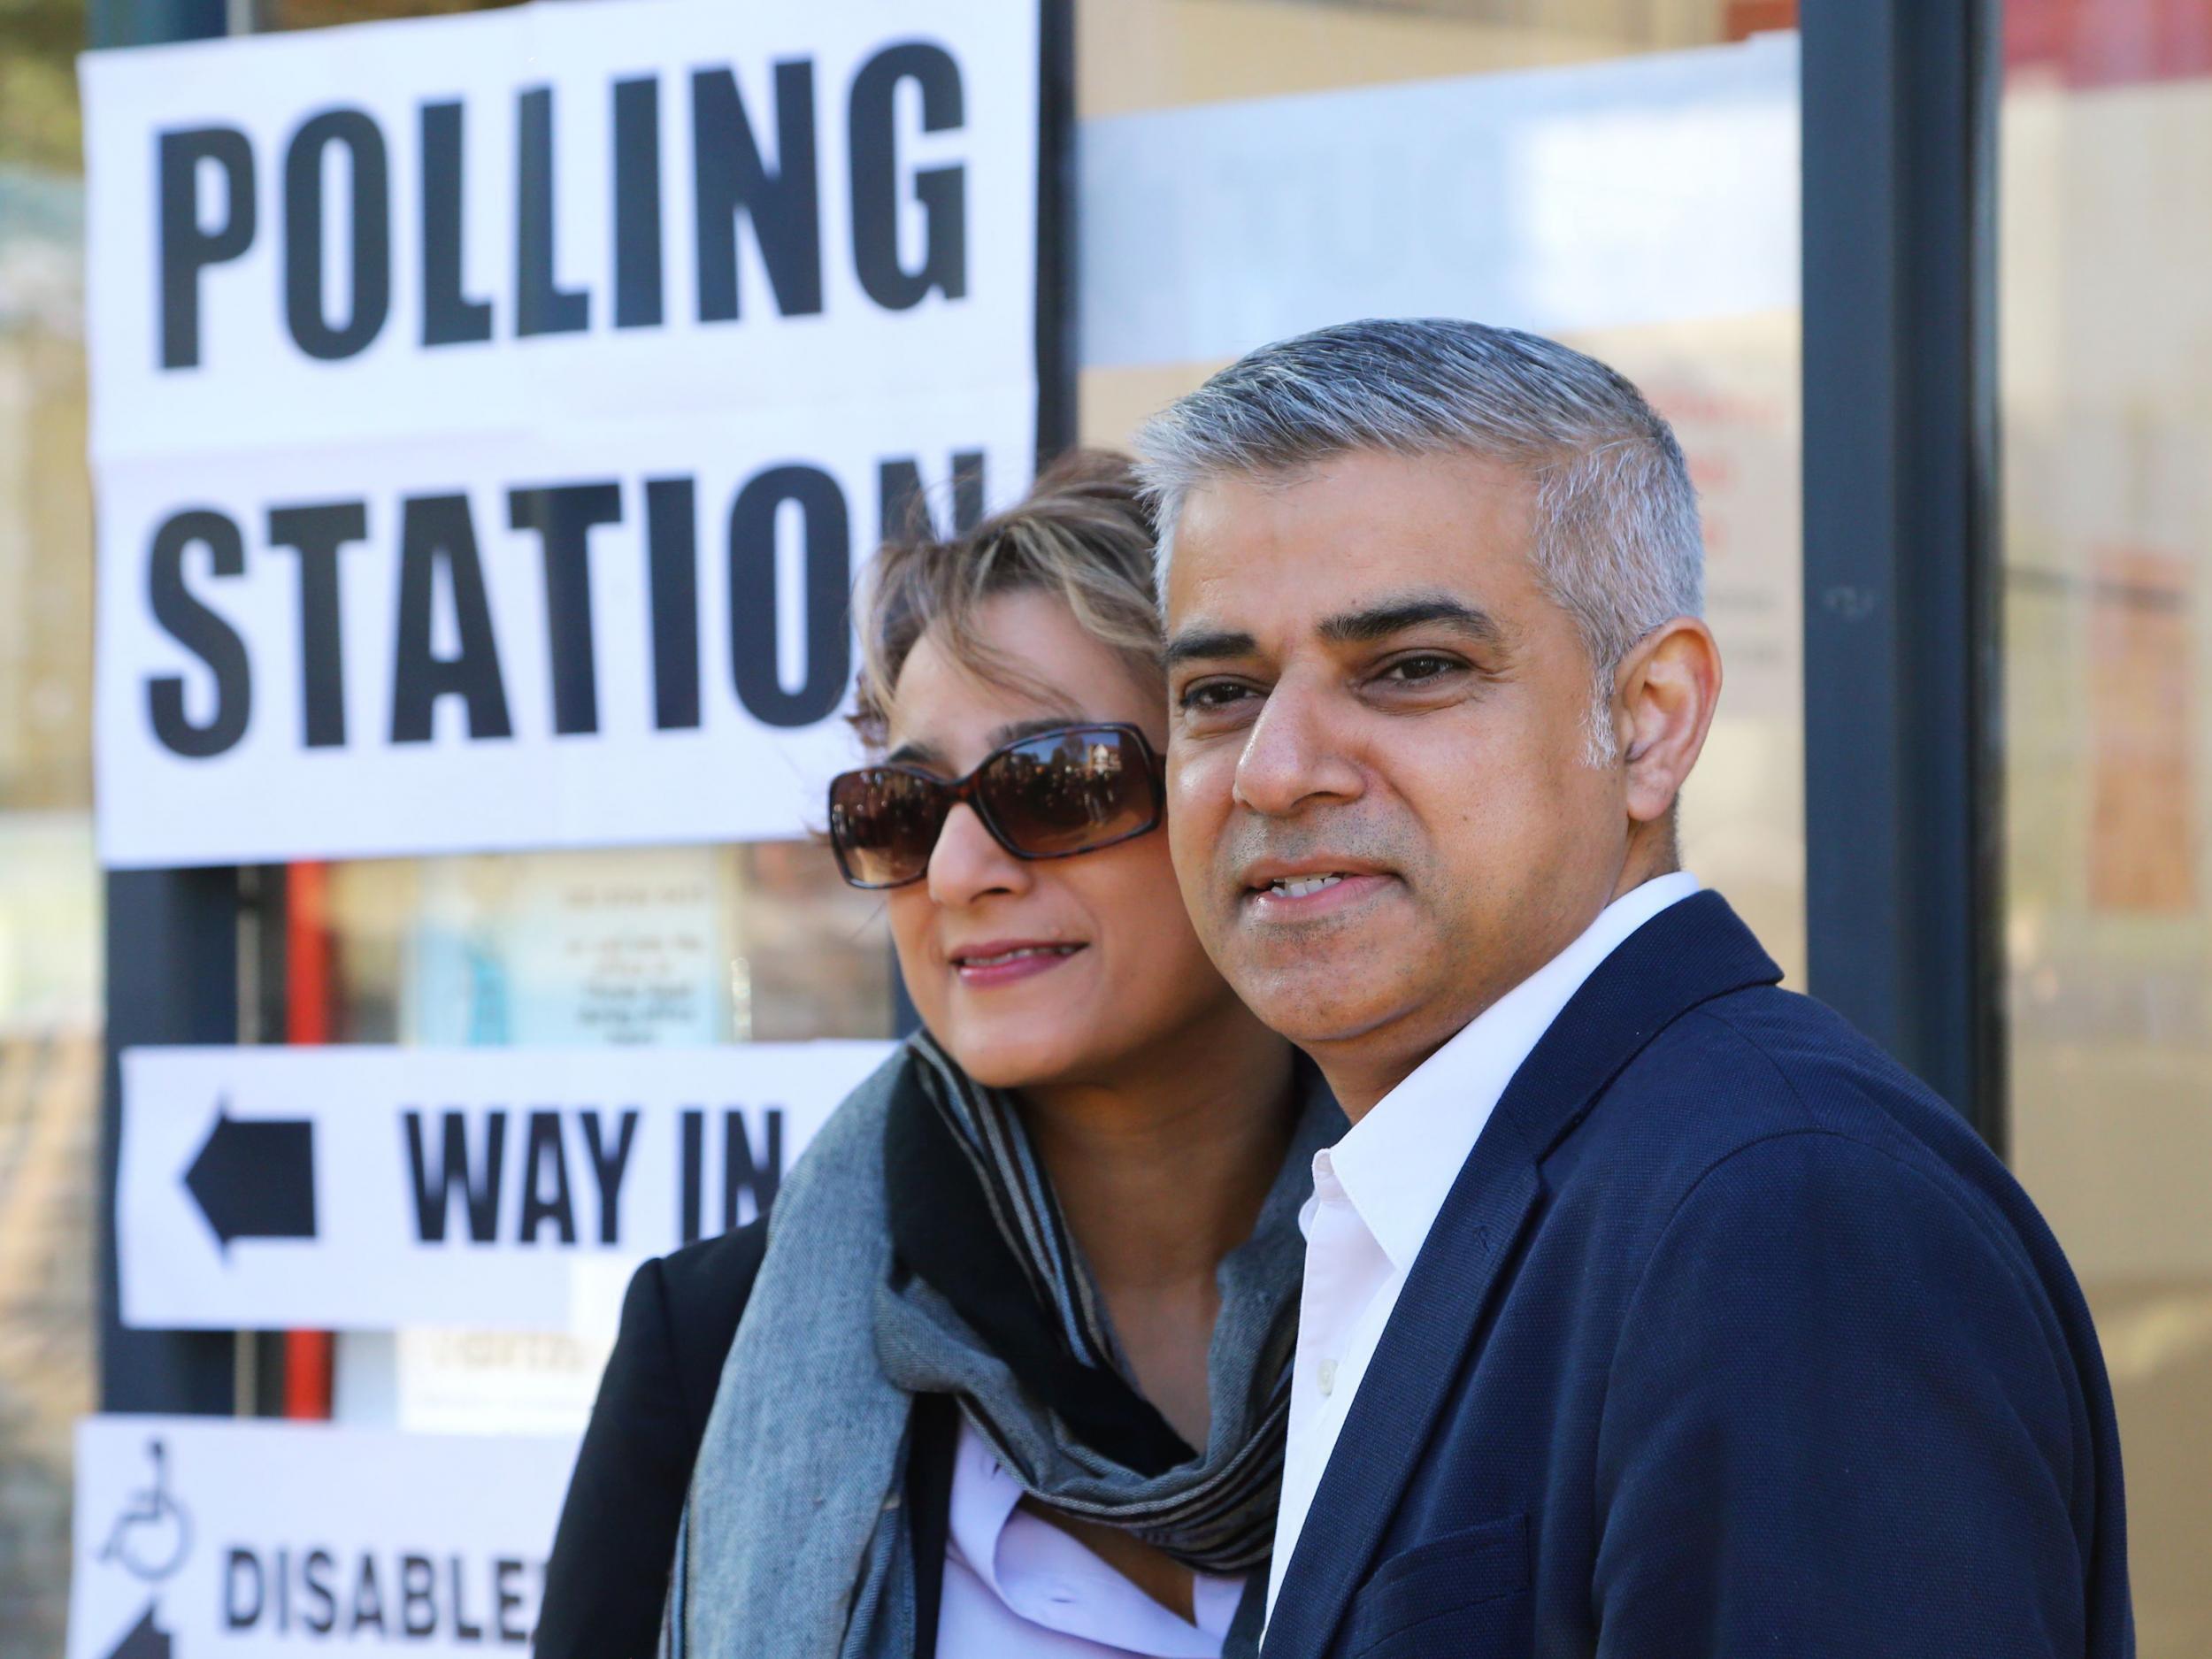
{"points": [[1662, 703]]}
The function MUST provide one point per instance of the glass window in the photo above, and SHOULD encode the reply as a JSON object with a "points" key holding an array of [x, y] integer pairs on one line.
{"points": [[50, 887], [2105, 377], [663, 945], [762, 941], [1621, 175]]}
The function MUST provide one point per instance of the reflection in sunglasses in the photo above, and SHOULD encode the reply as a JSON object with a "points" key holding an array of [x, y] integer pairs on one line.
{"points": [[1049, 796]]}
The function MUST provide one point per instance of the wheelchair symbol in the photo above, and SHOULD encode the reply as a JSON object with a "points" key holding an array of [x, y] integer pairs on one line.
{"points": [[150, 1536]]}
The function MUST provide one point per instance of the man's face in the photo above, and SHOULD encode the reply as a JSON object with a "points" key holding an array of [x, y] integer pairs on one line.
{"points": [[1381, 814]]}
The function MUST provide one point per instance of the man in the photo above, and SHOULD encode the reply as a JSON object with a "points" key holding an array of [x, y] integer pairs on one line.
{"points": [[1650, 1309]]}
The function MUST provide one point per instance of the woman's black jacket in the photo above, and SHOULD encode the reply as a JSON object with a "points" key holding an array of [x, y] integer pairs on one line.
{"points": [[608, 1576]]}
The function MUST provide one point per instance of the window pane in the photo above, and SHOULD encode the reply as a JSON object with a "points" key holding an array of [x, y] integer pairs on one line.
{"points": [[1621, 175], [1618, 173], [49, 890], [663, 946], [2105, 266]]}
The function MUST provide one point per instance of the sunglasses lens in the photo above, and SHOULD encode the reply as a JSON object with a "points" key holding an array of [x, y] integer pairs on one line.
{"points": [[1070, 790], [884, 824]]}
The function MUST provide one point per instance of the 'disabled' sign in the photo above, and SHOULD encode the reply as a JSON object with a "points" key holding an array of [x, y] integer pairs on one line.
{"points": [[196, 1537], [490, 414], [357, 1187]]}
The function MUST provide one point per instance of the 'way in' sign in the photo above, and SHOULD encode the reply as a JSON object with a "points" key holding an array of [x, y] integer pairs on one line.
{"points": [[367, 1188]]}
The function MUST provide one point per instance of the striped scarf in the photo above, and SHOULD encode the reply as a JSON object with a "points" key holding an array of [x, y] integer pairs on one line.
{"points": [[994, 1251], [906, 1256], [990, 1132]]}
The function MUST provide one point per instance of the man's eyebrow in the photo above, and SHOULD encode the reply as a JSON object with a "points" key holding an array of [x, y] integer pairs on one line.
{"points": [[1203, 644], [1379, 621], [911, 755]]}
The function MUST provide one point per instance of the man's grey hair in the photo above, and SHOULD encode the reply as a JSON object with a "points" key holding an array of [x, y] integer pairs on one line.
{"points": [[1617, 541]]}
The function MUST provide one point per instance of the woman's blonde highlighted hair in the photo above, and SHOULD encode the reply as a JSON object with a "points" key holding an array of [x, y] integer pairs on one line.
{"points": [[1083, 534]]}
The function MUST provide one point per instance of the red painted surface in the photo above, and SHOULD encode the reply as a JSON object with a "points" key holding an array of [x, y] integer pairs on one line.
{"points": [[307, 954], [307, 1003], [2084, 42], [1746, 17], [2109, 42]]}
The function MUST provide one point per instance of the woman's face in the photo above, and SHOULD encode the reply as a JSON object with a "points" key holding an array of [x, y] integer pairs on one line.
{"points": [[1115, 970]]}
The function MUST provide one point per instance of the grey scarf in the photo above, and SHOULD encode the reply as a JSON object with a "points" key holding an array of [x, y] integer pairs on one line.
{"points": [[794, 1542]]}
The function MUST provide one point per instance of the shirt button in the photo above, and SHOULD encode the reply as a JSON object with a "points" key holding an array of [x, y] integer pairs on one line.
{"points": [[1324, 1374]]}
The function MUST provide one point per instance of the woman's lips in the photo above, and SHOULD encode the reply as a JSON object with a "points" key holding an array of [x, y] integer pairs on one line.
{"points": [[997, 965]]}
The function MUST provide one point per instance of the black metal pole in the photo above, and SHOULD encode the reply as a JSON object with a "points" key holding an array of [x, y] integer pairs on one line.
{"points": [[1056, 227], [149, 22], [173, 977], [172, 952], [1903, 877]]}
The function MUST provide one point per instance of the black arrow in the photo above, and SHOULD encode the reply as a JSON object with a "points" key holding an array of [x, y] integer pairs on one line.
{"points": [[146, 1638], [255, 1178]]}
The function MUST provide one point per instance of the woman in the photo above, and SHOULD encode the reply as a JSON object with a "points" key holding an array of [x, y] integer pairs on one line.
{"points": [[1011, 1374]]}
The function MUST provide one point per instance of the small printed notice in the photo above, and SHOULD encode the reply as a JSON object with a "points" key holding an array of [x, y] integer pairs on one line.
{"points": [[369, 1188], [203, 1536]]}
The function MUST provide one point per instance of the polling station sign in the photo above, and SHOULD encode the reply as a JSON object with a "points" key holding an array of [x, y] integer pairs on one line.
{"points": [[491, 414], [198, 1537], [365, 1188]]}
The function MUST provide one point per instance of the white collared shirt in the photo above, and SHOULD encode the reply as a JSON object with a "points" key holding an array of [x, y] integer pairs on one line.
{"points": [[1018, 1587], [1378, 1192]]}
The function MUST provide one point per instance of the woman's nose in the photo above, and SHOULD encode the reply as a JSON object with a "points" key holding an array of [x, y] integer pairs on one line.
{"points": [[967, 864]]}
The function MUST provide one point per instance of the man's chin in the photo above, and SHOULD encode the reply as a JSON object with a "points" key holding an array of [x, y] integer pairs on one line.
{"points": [[1318, 1004]]}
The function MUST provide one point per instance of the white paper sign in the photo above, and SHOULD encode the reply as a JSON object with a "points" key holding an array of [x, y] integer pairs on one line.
{"points": [[675, 672], [198, 1537], [558, 214], [490, 414], [365, 1188]]}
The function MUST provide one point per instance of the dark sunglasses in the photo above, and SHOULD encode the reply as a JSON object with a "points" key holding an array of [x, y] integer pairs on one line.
{"points": [[1073, 789]]}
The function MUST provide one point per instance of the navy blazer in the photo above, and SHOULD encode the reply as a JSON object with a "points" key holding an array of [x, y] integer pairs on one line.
{"points": [[1731, 1339]]}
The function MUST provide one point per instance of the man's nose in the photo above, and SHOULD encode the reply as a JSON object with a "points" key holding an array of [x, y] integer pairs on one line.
{"points": [[1295, 755], [968, 863]]}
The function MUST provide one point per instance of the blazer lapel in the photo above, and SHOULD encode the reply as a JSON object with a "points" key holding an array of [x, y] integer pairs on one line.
{"points": [[1688, 954], [1406, 1384]]}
